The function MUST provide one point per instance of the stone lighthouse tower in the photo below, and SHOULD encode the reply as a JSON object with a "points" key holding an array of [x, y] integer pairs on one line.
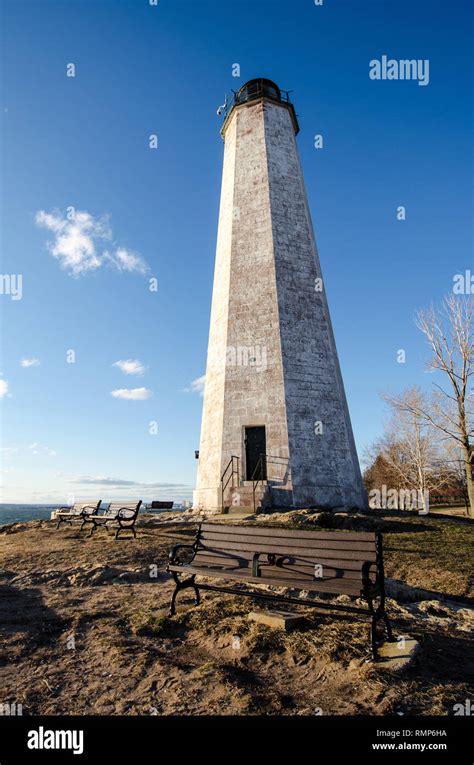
{"points": [[275, 426]]}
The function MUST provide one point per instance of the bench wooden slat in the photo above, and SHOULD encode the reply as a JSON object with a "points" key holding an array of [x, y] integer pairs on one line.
{"points": [[328, 572], [314, 553], [77, 506], [339, 586], [348, 565], [115, 506], [321, 544], [352, 536], [75, 510], [299, 566]]}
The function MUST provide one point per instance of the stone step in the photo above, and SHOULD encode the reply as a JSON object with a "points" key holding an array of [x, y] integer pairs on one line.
{"points": [[240, 512], [245, 497], [243, 492], [247, 492]]}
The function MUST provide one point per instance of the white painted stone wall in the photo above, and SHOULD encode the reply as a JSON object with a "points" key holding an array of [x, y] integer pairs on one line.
{"points": [[264, 298]]}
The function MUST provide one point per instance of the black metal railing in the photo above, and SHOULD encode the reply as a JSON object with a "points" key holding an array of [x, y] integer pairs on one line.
{"points": [[258, 89], [233, 468], [260, 474], [261, 88]]}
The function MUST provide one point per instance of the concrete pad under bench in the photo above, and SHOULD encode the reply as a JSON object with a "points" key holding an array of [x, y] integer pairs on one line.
{"points": [[397, 655], [284, 620]]}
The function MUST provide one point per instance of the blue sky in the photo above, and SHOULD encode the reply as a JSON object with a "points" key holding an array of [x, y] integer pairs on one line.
{"points": [[83, 142]]}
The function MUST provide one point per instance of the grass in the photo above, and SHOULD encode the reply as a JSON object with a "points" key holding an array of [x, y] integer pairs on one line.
{"points": [[152, 626], [439, 556], [448, 508]]}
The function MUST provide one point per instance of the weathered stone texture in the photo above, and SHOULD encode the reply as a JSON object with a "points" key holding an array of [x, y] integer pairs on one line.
{"points": [[264, 297]]}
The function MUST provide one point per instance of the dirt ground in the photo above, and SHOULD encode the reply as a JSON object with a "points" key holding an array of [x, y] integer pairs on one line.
{"points": [[84, 630]]}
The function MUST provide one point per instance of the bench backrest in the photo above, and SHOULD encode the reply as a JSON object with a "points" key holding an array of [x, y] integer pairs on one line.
{"points": [[131, 509], [328, 561], [92, 505]]}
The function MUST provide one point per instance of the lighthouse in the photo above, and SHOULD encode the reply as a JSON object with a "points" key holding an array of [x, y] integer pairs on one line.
{"points": [[275, 428]]}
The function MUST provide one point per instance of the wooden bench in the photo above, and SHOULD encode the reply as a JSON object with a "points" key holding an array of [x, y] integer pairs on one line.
{"points": [[331, 562], [123, 515], [76, 512]]}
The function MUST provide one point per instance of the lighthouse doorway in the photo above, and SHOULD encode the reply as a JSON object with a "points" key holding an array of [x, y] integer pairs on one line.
{"points": [[255, 448]]}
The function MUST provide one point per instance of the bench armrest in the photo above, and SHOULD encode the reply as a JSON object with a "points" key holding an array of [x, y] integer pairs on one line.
{"points": [[88, 510], [173, 554], [126, 513]]}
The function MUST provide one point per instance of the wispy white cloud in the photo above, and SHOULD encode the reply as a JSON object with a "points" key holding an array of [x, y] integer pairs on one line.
{"points": [[197, 386], [3, 388], [128, 260], [108, 481], [29, 363], [132, 394], [130, 366], [79, 239], [120, 488], [8, 451], [42, 450]]}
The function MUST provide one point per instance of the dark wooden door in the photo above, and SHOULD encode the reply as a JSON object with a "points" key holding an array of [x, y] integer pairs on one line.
{"points": [[255, 446]]}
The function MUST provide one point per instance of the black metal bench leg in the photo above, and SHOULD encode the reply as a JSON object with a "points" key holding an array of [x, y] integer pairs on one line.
{"points": [[388, 627], [373, 637], [375, 613], [378, 614], [125, 528], [183, 586], [172, 608], [63, 520]]}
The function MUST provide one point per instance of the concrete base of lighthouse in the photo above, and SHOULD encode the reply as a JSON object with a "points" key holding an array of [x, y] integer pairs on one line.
{"points": [[271, 496], [207, 500]]}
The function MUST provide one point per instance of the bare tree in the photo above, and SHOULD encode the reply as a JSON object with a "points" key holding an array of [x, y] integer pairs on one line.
{"points": [[449, 332], [451, 467], [410, 445]]}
